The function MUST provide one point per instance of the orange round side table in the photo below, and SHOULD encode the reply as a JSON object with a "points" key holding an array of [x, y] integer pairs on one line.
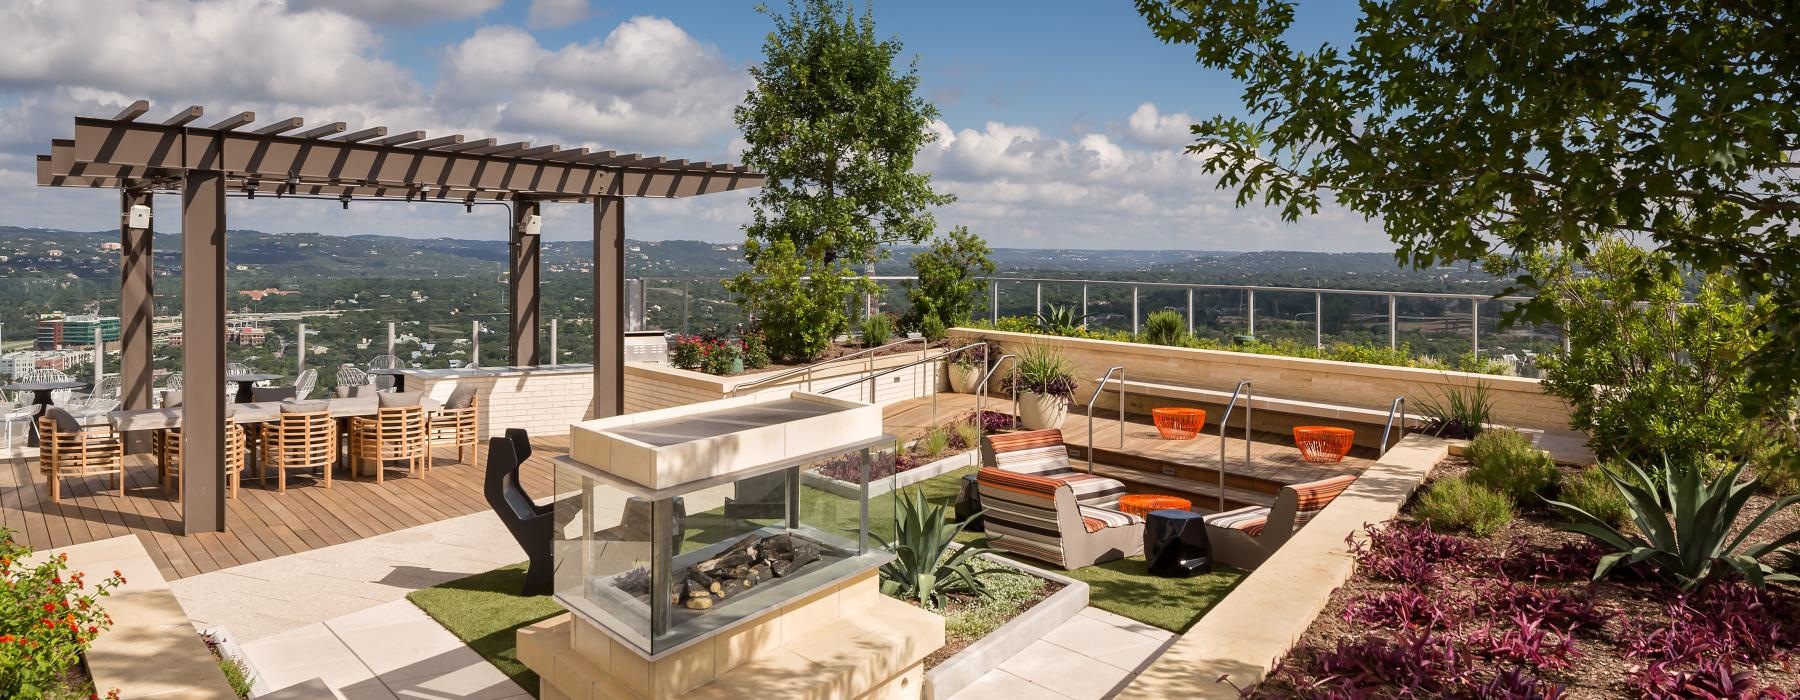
{"points": [[1175, 423], [1140, 504], [1323, 444]]}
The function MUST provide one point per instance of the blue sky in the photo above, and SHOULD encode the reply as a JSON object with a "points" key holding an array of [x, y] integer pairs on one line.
{"points": [[1062, 123]]}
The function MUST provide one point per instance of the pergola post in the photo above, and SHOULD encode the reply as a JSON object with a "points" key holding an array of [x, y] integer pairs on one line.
{"points": [[203, 352], [137, 312], [609, 306], [522, 299]]}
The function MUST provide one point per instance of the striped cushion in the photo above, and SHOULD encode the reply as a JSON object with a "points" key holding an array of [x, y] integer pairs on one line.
{"points": [[1249, 520], [1038, 452], [1313, 497], [1097, 519], [1091, 490], [1021, 513]]}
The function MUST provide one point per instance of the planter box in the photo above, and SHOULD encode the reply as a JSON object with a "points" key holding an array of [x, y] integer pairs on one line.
{"points": [[968, 665], [902, 480], [673, 446]]}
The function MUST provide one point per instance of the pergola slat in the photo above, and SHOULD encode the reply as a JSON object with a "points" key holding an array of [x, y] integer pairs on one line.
{"points": [[567, 154], [467, 146], [450, 140], [364, 135], [536, 151], [322, 131], [407, 137], [133, 111], [184, 117], [234, 121], [288, 124], [502, 148]]}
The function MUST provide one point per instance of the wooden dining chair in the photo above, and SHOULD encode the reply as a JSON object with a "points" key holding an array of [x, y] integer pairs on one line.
{"points": [[168, 457], [68, 450], [393, 434], [457, 423], [300, 439]]}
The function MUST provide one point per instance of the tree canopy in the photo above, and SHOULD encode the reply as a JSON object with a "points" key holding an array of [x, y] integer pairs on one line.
{"points": [[1478, 128]]}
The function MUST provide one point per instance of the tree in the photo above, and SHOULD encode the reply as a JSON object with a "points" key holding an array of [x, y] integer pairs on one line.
{"points": [[947, 284], [1653, 379], [834, 128], [1469, 128]]}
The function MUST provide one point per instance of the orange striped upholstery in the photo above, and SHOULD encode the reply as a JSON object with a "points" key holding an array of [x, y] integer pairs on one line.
{"points": [[1314, 496], [1021, 513], [1042, 453], [1250, 520]]}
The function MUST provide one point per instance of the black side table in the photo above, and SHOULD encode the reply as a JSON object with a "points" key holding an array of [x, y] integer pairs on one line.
{"points": [[968, 503], [1175, 544]]}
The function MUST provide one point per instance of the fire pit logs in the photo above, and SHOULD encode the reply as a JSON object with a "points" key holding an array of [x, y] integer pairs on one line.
{"points": [[740, 567]]}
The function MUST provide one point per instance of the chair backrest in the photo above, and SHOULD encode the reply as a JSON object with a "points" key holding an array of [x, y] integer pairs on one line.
{"points": [[384, 362], [398, 431], [303, 384], [234, 448], [351, 376], [50, 374], [110, 387], [236, 368], [1296, 504], [1027, 514], [1039, 452], [301, 440], [173, 381]]}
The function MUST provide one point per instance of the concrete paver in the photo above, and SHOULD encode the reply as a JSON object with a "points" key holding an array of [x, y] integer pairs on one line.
{"points": [[1091, 656]]}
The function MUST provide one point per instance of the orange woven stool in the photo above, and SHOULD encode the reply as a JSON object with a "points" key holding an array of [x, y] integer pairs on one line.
{"points": [[1323, 444], [1140, 504], [1178, 423]]}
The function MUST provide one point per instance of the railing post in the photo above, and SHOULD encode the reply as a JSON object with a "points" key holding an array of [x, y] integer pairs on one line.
{"points": [[474, 344], [1084, 312], [1318, 319], [390, 344], [686, 294], [99, 357], [1250, 302], [1475, 326], [300, 353], [555, 355], [1039, 308], [1134, 309], [994, 305], [1190, 310], [1393, 325]]}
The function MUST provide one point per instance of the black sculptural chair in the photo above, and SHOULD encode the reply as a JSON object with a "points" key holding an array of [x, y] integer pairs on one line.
{"points": [[529, 523]]}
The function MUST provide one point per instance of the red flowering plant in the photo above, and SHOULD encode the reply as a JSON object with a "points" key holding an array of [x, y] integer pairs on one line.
{"points": [[48, 616], [709, 355]]}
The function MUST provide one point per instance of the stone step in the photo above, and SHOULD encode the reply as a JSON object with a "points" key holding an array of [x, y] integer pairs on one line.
{"points": [[875, 651], [1162, 467]]}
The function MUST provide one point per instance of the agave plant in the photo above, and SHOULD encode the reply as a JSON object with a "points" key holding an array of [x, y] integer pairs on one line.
{"points": [[1061, 320], [924, 568], [1692, 542]]}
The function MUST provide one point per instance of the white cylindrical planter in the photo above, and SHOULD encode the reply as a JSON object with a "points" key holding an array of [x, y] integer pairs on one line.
{"points": [[964, 379], [1042, 411]]}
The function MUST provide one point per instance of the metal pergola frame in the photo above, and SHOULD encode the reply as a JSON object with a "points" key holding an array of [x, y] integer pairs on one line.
{"points": [[205, 164]]}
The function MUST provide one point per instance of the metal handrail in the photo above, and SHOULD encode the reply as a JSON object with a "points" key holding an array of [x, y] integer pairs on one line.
{"points": [[1248, 392], [891, 370], [982, 387], [1395, 410], [809, 369], [1098, 388]]}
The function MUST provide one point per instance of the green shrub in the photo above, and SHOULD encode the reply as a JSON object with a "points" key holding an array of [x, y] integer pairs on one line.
{"points": [[1506, 461], [797, 296], [968, 435], [1456, 504], [932, 328], [756, 350], [933, 442], [947, 285], [1165, 327], [1008, 594], [1590, 490], [1695, 543], [238, 674], [877, 329]]}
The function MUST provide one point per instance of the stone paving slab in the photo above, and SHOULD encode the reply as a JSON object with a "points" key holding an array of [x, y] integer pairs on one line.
{"points": [[1091, 656], [387, 652]]}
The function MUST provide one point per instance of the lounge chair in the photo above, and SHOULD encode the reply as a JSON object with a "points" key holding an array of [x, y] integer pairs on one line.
{"points": [[1039, 517], [1042, 453], [1243, 538]]}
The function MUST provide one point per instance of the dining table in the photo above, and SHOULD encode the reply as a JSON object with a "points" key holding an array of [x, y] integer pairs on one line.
{"points": [[40, 397], [341, 409], [248, 380]]}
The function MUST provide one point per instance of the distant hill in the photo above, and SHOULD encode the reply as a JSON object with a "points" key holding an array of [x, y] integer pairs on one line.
{"points": [[32, 252]]}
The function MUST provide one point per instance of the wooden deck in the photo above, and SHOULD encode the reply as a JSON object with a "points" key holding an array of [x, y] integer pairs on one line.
{"points": [[260, 523]]}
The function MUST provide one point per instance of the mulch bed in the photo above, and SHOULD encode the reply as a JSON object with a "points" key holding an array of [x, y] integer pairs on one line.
{"points": [[1516, 616]]}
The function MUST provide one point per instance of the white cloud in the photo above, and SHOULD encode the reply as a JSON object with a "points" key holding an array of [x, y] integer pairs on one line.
{"points": [[402, 11], [223, 50], [1149, 127], [555, 13]]}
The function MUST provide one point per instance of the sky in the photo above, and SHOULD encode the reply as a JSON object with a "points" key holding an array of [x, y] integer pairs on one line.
{"points": [[1062, 124]]}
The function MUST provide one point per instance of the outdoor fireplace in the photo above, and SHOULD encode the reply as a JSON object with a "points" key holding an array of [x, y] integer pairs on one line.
{"points": [[675, 525]]}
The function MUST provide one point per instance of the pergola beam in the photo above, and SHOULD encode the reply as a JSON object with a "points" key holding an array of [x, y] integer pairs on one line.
{"points": [[568, 154], [450, 140], [523, 303], [467, 146], [327, 130], [185, 117], [407, 137], [364, 135], [203, 352], [234, 121], [133, 111]]}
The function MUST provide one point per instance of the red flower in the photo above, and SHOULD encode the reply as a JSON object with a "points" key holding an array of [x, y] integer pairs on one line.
{"points": [[49, 607]]}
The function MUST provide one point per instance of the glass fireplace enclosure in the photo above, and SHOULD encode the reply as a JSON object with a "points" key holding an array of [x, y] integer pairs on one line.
{"points": [[659, 568]]}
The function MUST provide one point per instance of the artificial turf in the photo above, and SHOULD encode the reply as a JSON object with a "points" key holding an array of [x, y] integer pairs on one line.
{"points": [[485, 610]]}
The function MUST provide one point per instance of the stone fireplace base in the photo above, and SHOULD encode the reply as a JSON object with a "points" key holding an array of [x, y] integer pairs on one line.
{"points": [[844, 643]]}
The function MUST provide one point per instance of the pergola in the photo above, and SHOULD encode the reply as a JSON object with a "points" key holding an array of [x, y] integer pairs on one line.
{"points": [[206, 164]]}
